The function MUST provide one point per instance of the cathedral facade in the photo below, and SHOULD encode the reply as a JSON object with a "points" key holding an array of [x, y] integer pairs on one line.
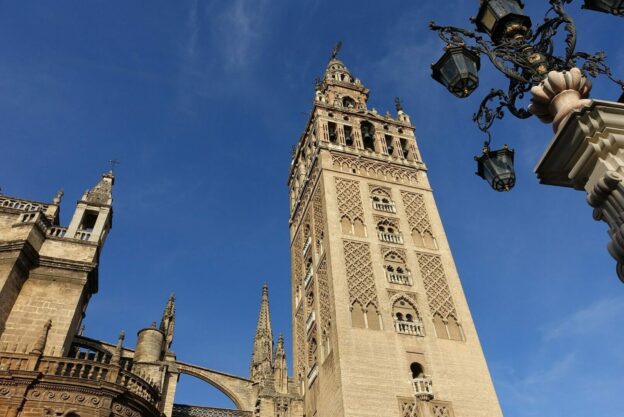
{"points": [[381, 327]]}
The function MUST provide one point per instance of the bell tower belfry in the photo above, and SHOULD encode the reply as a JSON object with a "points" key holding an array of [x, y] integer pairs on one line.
{"points": [[381, 326]]}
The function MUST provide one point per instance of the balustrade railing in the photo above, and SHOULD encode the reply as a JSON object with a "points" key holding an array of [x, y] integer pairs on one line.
{"points": [[21, 204], [308, 277], [390, 237], [387, 207], [180, 410], [312, 374], [83, 234], [423, 389], [90, 370], [409, 327], [57, 231], [307, 245], [310, 321], [396, 278], [15, 361]]}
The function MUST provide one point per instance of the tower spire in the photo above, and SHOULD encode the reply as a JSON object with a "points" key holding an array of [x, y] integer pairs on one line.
{"points": [[280, 369], [262, 357]]}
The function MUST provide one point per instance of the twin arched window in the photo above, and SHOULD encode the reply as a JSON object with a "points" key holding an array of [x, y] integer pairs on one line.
{"points": [[406, 318], [365, 318]]}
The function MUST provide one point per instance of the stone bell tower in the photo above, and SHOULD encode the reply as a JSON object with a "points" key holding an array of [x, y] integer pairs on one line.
{"points": [[381, 326], [48, 272]]}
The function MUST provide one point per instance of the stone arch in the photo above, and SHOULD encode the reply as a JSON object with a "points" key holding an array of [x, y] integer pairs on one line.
{"points": [[237, 389]]}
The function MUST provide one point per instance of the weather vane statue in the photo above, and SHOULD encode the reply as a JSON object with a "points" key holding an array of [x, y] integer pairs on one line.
{"points": [[336, 50]]}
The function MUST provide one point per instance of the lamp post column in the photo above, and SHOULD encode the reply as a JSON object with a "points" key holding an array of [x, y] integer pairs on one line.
{"points": [[587, 153]]}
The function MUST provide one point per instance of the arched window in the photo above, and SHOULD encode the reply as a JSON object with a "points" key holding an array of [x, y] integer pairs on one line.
{"points": [[348, 132], [381, 200], [396, 271], [387, 231], [312, 345], [346, 226], [358, 228], [417, 370], [421, 383], [429, 240], [368, 135], [331, 128], [440, 326], [357, 315], [454, 329], [406, 319], [372, 317], [348, 102]]}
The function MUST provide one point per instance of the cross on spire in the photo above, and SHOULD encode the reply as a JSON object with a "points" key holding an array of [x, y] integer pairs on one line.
{"points": [[113, 163]]}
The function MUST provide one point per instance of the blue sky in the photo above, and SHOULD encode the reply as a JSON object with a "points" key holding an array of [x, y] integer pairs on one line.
{"points": [[202, 101]]}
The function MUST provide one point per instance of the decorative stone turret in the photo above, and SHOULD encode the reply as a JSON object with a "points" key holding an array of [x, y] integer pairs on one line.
{"points": [[280, 370], [93, 217]]}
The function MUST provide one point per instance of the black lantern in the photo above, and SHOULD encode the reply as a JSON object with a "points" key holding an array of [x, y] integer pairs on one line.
{"points": [[497, 168], [500, 18], [458, 71], [615, 7]]}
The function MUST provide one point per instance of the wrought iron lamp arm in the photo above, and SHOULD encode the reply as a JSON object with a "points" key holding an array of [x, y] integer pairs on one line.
{"points": [[452, 36]]}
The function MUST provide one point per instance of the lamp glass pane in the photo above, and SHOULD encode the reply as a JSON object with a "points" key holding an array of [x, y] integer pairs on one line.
{"points": [[489, 19], [449, 71], [460, 61]]}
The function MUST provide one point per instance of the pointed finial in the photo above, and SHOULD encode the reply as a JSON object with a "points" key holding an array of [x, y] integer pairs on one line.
{"points": [[82, 330], [398, 105], [119, 349], [39, 346], [167, 322], [318, 83], [58, 197], [336, 50], [154, 324]]}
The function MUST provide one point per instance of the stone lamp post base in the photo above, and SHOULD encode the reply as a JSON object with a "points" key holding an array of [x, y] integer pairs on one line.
{"points": [[587, 153]]}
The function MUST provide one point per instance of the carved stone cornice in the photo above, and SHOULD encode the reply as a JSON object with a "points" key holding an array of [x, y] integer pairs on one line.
{"points": [[28, 256], [58, 263]]}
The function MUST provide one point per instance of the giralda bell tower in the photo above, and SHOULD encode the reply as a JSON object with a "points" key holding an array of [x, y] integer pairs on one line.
{"points": [[381, 326]]}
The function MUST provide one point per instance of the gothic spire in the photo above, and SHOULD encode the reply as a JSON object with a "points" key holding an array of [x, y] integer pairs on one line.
{"points": [[280, 369], [102, 193], [262, 357], [167, 323]]}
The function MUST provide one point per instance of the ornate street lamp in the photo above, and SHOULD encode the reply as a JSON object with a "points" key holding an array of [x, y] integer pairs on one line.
{"points": [[497, 167], [615, 7], [458, 71], [502, 18], [585, 153], [526, 56]]}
